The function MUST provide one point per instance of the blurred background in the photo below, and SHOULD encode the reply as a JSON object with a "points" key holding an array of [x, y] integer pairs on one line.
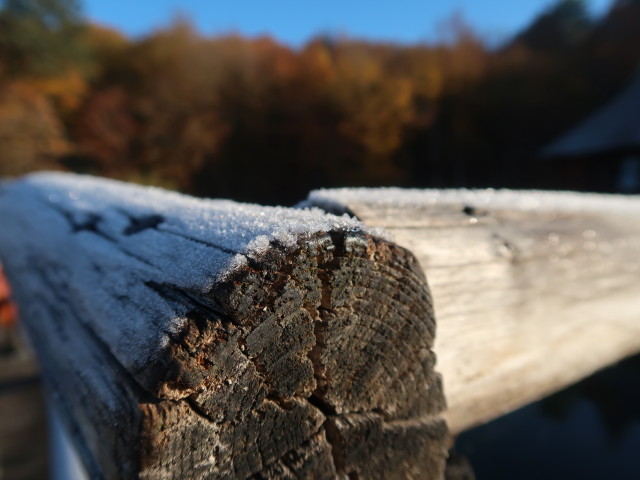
{"points": [[264, 101]]}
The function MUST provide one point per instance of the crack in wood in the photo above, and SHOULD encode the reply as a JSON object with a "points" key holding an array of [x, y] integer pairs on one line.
{"points": [[141, 223], [310, 359]]}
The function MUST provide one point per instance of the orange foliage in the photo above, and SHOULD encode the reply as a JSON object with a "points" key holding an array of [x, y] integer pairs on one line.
{"points": [[255, 120], [31, 133], [66, 89], [105, 128], [376, 103]]}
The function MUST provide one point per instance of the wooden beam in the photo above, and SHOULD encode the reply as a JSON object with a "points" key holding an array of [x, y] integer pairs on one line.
{"points": [[184, 338], [533, 290]]}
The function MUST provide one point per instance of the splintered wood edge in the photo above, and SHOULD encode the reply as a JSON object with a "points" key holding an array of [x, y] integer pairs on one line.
{"points": [[311, 362], [501, 347], [191, 338], [316, 357]]}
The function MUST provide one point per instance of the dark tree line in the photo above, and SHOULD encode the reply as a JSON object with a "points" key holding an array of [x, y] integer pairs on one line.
{"points": [[254, 120]]}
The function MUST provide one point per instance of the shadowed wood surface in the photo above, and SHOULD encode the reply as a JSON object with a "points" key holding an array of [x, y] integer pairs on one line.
{"points": [[199, 339], [533, 290], [23, 425]]}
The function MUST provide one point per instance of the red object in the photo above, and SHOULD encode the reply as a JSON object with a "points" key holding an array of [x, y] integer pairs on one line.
{"points": [[8, 314], [5, 290], [8, 310]]}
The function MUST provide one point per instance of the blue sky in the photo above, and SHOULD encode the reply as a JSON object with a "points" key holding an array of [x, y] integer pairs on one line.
{"points": [[294, 22]]}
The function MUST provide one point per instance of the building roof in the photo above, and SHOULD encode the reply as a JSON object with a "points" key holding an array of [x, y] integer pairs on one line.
{"points": [[613, 127]]}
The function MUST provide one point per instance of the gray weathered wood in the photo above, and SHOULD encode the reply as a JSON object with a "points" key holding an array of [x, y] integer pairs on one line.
{"points": [[533, 290], [182, 338]]}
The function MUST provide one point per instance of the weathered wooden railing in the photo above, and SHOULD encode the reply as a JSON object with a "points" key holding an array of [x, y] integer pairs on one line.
{"points": [[185, 338], [533, 291]]}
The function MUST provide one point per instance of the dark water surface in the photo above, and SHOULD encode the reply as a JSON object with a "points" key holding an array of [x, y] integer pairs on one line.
{"points": [[589, 431]]}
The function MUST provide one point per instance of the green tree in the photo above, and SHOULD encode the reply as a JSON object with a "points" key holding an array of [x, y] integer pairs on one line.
{"points": [[564, 25], [40, 37]]}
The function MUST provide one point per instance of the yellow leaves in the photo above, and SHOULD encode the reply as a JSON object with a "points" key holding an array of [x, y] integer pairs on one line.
{"points": [[31, 134], [174, 104], [377, 114], [100, 38], [316, 61], [424, 68], [281, 62], [66, 90], [377, 103]]}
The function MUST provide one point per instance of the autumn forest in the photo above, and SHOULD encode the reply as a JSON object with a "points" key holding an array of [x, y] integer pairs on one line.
{"points": [[255, 120]]}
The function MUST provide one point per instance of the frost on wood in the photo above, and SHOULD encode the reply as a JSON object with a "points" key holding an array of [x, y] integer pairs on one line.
{"points": [[337, 200], [533, 290], [187, 338]]}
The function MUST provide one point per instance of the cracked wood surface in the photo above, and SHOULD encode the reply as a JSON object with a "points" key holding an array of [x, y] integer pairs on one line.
{"points": [[532, 290], [300, 348]]}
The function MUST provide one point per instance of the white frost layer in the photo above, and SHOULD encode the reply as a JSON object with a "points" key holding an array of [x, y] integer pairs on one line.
{"points": [[525, 200], [106, 247], [241, 229]]}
